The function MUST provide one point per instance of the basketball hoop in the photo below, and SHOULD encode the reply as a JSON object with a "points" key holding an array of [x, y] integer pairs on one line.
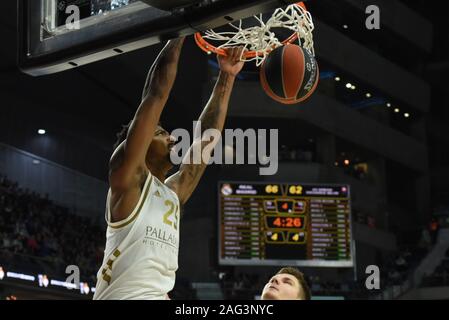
{"points": [[260, 40]]}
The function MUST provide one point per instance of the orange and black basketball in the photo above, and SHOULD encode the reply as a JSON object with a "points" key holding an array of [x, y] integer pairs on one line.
{"points": [[289, 74]]}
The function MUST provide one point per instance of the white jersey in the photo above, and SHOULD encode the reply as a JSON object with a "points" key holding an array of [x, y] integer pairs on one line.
{"points": [[141, 254]]}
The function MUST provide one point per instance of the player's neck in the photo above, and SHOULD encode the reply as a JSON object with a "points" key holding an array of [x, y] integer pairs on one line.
{"points": [[159, 173]]}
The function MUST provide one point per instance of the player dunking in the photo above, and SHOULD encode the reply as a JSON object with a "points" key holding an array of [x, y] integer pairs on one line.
{"points": [[142, 208]]}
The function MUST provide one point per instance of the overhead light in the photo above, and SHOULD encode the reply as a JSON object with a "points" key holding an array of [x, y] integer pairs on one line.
{"points": [[353, 87], [368, 95], [345, 26], [407, 115], [41, 131], [346, 162], [336, 163], [389, 105], [337, 79], [349, 85], [396, 110]]}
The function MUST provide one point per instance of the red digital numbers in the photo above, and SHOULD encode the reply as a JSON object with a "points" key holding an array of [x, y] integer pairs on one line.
{"points": [[277, 222], [287, 222]]}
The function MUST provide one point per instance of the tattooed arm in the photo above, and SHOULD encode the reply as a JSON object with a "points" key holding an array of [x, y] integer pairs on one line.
{"points": [[213, 116], [128, 168]]}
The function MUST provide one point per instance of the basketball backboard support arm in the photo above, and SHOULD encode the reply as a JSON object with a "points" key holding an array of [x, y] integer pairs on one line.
{"points": [[133, 27]]}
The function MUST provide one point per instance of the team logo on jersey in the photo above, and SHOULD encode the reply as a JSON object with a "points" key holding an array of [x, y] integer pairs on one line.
{"points": [[168, 238]]}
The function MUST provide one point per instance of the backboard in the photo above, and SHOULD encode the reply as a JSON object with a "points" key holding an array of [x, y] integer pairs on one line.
{"points": [[50, 40]]}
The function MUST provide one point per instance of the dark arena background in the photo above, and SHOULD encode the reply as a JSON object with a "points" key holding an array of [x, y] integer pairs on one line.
{"points": [[360, 200]]}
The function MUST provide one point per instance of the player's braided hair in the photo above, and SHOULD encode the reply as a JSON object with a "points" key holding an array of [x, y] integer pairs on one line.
{"points": [[122, 134]]}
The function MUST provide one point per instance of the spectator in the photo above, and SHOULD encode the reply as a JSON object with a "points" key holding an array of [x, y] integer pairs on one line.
{"points": [[371, 222], [434, 228], [7, 243], [32, 245], [401, 264]]}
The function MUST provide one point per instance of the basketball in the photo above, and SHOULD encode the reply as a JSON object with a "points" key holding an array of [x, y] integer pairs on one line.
{"points": [[289, 74]]}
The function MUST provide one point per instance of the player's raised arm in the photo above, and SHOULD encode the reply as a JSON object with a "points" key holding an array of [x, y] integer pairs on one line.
{"points": [[213, 116], [157, 89], [128, 167]]}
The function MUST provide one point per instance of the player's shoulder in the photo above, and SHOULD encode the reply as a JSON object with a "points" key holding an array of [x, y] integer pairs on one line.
{"points": [[121, 179], [116, 158], [125, 174]]}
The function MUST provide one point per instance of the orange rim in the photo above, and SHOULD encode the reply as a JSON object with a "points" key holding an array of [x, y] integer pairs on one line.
{"points": [[209, 48]]}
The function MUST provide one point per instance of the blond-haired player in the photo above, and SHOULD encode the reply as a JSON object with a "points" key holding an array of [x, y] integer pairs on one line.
{"points": [[288, 284]]}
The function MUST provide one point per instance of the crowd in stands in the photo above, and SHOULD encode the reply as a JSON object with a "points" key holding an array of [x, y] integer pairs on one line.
{"points": [[358, 171], [400, 266], [36, 233], [440, 277], [245, 286], [39, 236], [395, 269], [241, 286]]}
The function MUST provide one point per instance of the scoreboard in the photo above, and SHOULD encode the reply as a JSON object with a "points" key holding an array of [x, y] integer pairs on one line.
{"points": [[280, 224]]}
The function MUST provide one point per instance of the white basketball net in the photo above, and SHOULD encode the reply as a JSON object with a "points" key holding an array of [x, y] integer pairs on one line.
{"points": [[261, 39]]}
